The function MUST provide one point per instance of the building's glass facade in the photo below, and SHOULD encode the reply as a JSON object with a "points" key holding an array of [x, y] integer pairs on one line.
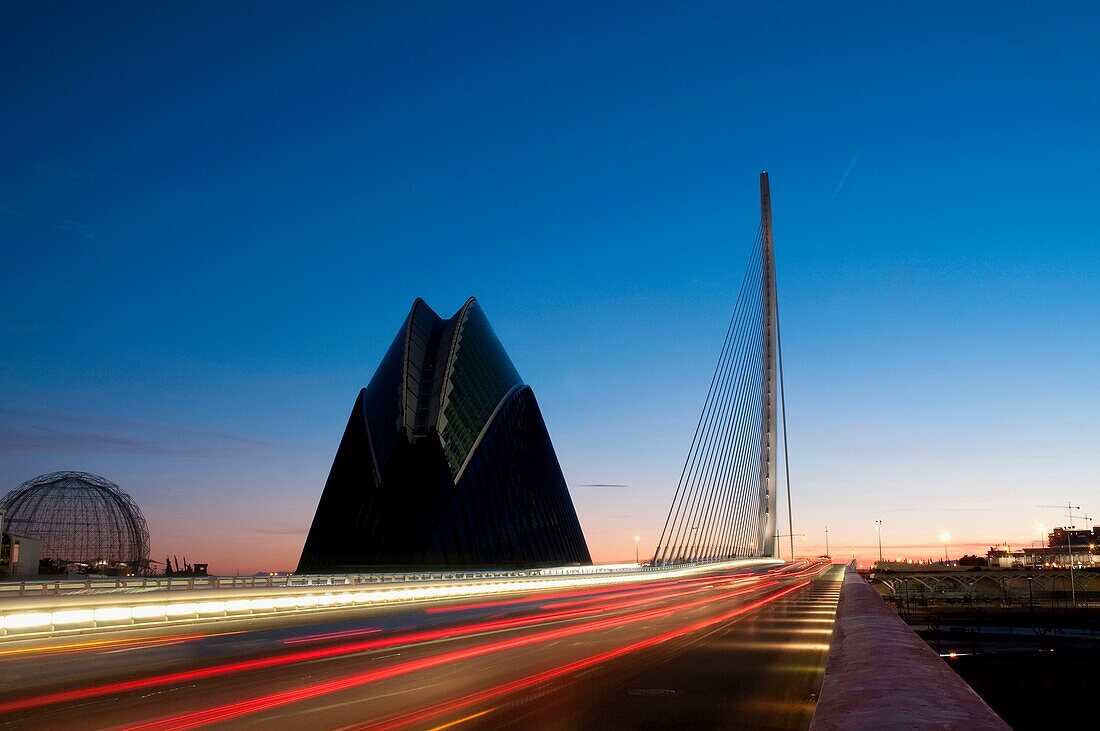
{"points": [[479, 376], [445, 462]]}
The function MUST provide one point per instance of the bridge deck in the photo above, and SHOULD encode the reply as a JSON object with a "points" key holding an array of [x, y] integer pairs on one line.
{"points": [[422, 665], [761, 671]]}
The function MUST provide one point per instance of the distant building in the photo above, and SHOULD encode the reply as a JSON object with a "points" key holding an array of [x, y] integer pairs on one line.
{"points": [[19, 555], [199, 569], [1081, 548], [445, 462], [1062, 537]]}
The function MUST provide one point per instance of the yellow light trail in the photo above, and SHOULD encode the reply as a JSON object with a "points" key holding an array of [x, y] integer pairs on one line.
{"points": [[460, 721]]}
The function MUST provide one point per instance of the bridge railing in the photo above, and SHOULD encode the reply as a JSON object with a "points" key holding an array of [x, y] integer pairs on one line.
{"points": [[80, 611], [881, 675], [46, 586]]}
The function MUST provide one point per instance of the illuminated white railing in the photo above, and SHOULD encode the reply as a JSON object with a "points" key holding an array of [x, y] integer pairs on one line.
{"points": [[20, 616], [46, 586]]}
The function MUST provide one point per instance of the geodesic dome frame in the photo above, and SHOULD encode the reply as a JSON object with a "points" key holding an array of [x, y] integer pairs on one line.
{"points": [[80, 518]]}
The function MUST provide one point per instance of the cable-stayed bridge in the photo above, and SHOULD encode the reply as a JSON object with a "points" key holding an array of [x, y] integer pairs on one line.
{"points": [[715, 632], [725, 504]]}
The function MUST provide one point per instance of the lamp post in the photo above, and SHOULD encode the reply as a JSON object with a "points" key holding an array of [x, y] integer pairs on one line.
{"points": [[1069, 536], [1041, 529], [1070, 507], [827, 542], [1069, 543], [637, 559], [945, 537], [792, 536], [1039, 558], [878, 530]]}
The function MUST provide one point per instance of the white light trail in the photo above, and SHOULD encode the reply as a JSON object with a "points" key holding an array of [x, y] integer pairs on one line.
{"points": [[246, 602]]}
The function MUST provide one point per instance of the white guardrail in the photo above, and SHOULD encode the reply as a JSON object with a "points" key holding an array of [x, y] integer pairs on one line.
{"points": [[56, 586], [73, 607]]}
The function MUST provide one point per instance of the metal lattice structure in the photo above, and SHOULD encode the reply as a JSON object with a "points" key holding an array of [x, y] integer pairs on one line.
{"points": [[80, 518]]}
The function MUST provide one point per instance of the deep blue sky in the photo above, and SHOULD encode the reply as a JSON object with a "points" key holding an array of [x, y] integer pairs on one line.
{"points": [[213, 220]]}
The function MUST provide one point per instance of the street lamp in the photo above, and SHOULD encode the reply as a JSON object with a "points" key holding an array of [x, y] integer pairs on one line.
{"points": [[792, 536], [945, 537], [637, 540], [1071, 517], [878, 530]]}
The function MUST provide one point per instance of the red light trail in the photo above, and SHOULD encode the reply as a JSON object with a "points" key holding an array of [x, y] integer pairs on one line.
{"points": [[537, 678], [241, 708], [326, 652], [543, 636]]}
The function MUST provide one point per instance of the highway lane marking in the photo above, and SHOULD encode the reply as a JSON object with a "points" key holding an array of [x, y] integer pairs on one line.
{"points": [[366, 653], [462, 720], [97, 645], [332, 636], [354, 702], [777, 646], [142, 647]]}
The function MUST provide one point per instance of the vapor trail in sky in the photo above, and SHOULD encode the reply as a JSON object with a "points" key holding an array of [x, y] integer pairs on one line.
{"points": [[847, 172]]}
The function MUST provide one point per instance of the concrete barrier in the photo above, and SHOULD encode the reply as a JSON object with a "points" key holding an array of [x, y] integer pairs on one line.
{"points": [[882, 676]]}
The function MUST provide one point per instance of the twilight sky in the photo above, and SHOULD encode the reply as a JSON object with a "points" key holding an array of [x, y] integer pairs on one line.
{"points": [[213, 220]]}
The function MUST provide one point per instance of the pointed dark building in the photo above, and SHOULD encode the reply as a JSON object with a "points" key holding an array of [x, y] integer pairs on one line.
{"points": [[445, 462]]}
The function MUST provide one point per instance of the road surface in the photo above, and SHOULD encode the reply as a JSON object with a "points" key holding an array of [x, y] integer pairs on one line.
{"points": [[732, 648]]}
